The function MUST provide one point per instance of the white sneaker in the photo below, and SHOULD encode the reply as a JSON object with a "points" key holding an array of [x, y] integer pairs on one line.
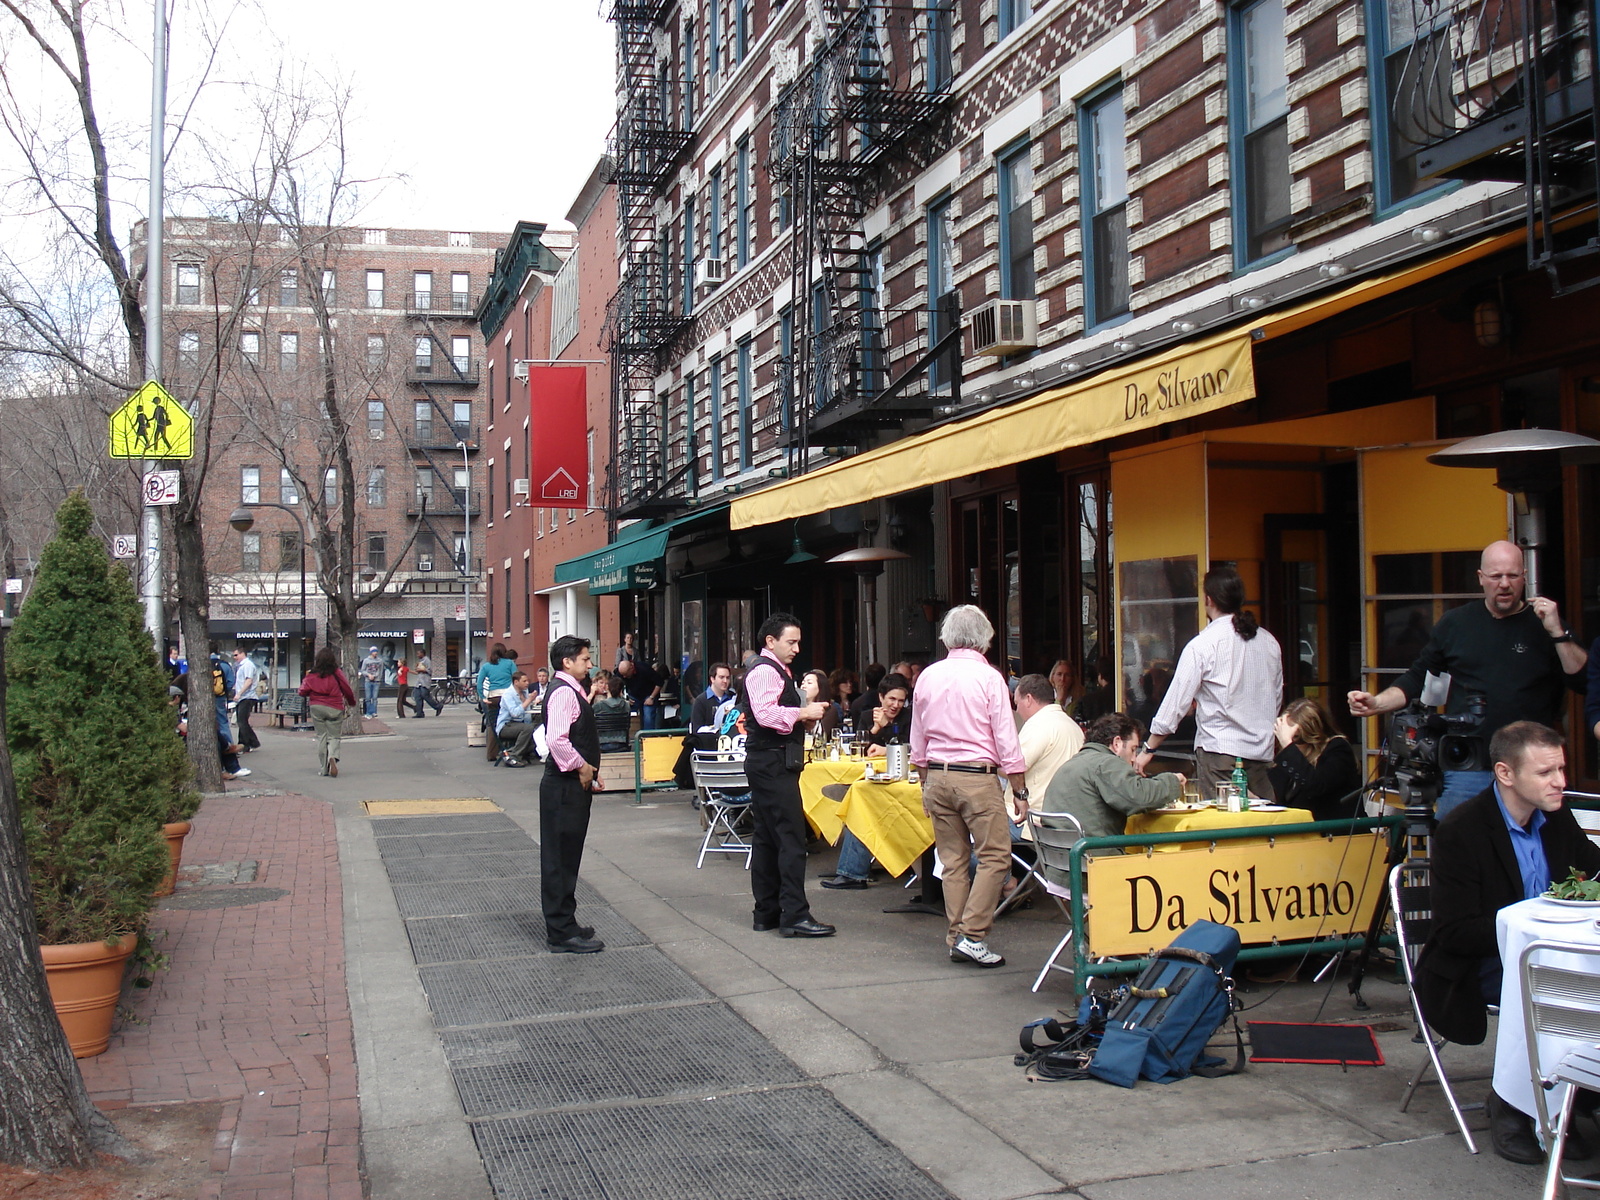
{"points": [[977, 953], [241, 772]]}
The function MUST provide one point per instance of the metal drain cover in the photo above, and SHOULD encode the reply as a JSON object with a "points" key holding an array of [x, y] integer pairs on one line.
{"points": [[447, 844], [440, 868], [461, 823], [516, 989], [775, 1145], [200, 898], [507, 934]]}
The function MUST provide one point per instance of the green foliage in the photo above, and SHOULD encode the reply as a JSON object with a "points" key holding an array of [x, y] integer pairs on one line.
{"points": [[98, 766]]}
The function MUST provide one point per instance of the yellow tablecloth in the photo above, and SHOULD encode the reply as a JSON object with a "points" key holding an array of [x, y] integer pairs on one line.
{"points": [[889, 820], [1211, 818], [822, 812]]}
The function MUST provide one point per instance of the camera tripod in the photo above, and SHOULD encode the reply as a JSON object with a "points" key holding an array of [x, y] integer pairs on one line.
{"points": [[1419, 789]]}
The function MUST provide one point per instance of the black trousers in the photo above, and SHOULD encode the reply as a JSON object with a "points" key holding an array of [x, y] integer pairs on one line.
{"points": [[247, 736], [778, 846], [563, 824]]}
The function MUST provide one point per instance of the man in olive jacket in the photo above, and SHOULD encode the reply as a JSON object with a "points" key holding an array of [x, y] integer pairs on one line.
{"points": [[1098, 784]]}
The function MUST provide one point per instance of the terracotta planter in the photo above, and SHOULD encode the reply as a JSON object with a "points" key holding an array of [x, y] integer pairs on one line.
{"points": [[174, 833], [85, 982]]}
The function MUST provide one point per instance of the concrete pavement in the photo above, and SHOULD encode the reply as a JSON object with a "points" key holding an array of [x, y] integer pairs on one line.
{"points": [[870, 1051]]}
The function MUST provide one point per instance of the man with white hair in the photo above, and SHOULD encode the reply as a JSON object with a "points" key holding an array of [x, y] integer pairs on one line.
{"points": [[963, 739], [1514, 653]]}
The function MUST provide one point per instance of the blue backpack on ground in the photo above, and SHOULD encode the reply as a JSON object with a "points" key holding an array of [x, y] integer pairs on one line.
{"points": [[1160, 1030]]}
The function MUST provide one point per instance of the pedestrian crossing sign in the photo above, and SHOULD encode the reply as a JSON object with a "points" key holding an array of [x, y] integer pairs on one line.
{"points": [[152, 425]]}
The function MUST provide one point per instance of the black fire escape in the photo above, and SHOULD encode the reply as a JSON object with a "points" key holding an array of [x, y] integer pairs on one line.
{"points": [[873, 97], [1507, 90], [433, 434], [646, 314]]}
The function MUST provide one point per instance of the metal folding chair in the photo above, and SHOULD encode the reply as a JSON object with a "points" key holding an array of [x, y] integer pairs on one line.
{"points": [[1053, 845], [1412, 904], [725, 799], [1564, 1000]]}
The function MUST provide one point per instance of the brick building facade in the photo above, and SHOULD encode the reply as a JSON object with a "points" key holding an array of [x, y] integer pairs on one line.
{"points": [[244, 343]]}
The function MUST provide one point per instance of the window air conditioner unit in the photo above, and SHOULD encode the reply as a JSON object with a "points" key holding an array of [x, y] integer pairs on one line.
{"points": [[1004, 327], [521, 489], [424, 562], [708, 272], [519, 370]]}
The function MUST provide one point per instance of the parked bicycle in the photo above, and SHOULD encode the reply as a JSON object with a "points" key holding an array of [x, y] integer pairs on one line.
{"points": [[450, 690]]}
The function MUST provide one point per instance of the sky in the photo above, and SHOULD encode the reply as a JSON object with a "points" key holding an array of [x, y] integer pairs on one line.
{"points": [[495, 110]]}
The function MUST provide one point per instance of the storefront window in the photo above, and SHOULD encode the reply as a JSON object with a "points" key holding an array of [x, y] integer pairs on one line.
{"points": [[1159, 613], [1414, 591]]}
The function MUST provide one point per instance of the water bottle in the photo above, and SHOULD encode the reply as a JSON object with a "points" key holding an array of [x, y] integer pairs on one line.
{"points": [[1241, 785]]}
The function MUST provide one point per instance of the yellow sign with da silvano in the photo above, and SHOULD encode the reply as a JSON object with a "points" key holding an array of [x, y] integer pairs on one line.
{"points": [[151, 424], [1279, 890]]}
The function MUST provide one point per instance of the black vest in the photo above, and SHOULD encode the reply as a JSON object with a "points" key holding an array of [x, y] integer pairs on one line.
{"points": [[584, 736], [757, 735]]}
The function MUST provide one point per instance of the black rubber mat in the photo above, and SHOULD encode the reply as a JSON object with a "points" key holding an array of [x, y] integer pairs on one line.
{"points": [[686, 1050], [506, 935], [1341, 1045], [788, 1144], [395, 849], [516, 989], [459, 823]]}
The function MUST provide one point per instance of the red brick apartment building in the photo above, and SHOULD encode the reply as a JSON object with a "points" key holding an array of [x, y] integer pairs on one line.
{"points": [[1054, 304], [542, 308], [244, 341]]}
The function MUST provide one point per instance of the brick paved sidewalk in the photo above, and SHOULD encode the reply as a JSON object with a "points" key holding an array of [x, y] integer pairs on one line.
{"points": [[253, 1009]]}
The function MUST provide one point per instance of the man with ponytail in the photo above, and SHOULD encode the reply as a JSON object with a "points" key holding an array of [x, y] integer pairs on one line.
{"points": [[1232, 672]]}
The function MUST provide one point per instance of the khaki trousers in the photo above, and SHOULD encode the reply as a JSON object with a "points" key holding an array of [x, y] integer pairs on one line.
{"points": [[1212, 768], [968, 812]]}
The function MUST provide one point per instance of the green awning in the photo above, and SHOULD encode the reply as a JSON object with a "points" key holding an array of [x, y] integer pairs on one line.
{"points": [[630, 561]]}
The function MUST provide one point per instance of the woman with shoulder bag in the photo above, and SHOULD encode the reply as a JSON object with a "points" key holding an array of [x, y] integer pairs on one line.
{"points": [[328, 694]]}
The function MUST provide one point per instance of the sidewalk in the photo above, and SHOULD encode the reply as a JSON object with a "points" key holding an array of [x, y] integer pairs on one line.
{"points": [[252, 1010]]}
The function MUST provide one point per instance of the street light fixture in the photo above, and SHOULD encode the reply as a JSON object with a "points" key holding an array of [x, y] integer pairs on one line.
{"points": [[244, 520]]}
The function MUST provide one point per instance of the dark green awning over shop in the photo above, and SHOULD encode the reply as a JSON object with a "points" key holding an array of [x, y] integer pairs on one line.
{"points": [[632, 561]]}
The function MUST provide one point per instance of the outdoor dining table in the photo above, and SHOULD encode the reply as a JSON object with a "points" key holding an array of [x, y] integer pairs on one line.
{"points": [[1516, 926], [823, 810], [1184, 820], [889, 820]]}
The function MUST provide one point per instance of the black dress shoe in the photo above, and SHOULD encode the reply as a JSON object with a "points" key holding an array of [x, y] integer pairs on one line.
{"points": [[577, 944], [843, 883], [761, 926], [807, 928], [586, 931], [1511, 1131]]}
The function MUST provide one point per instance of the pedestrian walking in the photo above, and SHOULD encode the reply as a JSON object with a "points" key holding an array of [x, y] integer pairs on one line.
{"points": [[774, 755], [421, 679], [963, 739], [371, 680], [402, 693], [571, 774], [246, 675], [328, 694]]}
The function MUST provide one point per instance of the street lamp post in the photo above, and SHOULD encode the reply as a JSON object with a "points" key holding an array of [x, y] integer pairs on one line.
{"points": [[244, 520]]}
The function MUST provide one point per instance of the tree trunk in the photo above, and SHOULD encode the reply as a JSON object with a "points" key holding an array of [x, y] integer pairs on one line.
{"points": [[47, 1120], [193, 614]]}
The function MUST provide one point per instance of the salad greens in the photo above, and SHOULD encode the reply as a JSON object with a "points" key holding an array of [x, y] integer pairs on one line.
{"points": [[1576, 886]]}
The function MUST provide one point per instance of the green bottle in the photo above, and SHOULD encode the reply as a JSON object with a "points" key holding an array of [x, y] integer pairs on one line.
{"points": [[1241, 785]]}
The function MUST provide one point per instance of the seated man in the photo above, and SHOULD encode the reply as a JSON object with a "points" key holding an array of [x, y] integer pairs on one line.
{"points": [[890, 722], [1098, 784], [1504, 845], [515, 725]]}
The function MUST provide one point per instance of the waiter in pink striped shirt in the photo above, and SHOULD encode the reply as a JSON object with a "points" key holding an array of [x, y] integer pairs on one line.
{"points": [[571, 774], [963, 740]]}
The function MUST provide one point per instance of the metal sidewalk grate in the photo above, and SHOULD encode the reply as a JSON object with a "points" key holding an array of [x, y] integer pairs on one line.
{"points": [[695, 1049], [781, 1145], [554, 984], [506, 935], [444, 844], [463, 823], [441, 868]]}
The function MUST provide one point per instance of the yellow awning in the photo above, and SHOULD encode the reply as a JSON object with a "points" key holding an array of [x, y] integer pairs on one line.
{"points": [[1182, 381]]}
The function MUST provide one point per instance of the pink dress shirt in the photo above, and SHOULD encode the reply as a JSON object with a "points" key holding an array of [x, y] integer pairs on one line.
{"points": [[964, 715], [561, 709], [764, 688]]}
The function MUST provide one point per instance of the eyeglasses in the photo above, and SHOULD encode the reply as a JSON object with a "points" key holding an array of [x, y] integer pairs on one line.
{"points": [[1504, 577]]}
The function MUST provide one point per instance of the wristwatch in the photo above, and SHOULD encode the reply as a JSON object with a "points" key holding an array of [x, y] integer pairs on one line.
{"points": [[1566, 636], [1021, 794]]}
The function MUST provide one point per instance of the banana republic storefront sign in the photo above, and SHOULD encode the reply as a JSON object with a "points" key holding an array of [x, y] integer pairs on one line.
{"points": [[1286, 889]]}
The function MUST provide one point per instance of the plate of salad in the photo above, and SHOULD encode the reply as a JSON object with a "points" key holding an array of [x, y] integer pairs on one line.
{"points": [[1577, 890]]}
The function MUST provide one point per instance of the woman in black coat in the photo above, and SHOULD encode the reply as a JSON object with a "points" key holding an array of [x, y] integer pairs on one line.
{"points": [[1316, 768]]}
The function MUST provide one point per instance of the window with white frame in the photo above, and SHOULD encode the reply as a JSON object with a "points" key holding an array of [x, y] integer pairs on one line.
{"points": [[1259, 130], [288, 351], [460, 239], [250, 552], [289, 289], [461, 352], [378, 552], [377, 486], [422, 289], [288, 493], [422, 358], [377, 419], [374, 289], [460, 291], [1103, 169], [188, 283], [249, 485], [188, 348], [330, 487], [1016, 223], [564, 305], [329, 288], [375, 237], [250, 346]]}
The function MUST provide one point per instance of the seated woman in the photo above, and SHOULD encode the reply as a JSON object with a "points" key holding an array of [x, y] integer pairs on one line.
{"points": [[612, 717], [814, 686], [843, 688], [890, 720], [1316, 767]]}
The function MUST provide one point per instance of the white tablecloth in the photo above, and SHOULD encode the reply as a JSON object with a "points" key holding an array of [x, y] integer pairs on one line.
{"points": [[1516, 926]]}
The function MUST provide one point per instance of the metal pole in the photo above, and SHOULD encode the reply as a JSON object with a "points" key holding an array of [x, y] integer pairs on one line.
{"points": [[466, 562], [150, 559]]}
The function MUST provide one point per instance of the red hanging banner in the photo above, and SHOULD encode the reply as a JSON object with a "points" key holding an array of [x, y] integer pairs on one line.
{"points": [[559, 435]]}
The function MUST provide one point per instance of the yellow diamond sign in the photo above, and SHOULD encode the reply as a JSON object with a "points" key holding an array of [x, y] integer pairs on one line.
{"points": [[152, 425]]}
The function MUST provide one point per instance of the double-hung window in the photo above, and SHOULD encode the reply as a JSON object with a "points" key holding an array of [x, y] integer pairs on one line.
{"points": [[747, 417], [1013, 13], [374, 289], [422, 289], [744, 202], [188, 283], [714, 438], [250, 346], [714, 214], [249, 485], [375, 350], [1259, 130], [688, 258], [1016, 223], [1411, 88], [688, 82], [288, 352], [785, 368], [250, 552], [289, 289], [1103, 171], [941, 282], [940, 61]]}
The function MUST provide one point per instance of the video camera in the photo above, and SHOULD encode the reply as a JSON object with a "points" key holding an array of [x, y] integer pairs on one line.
{"points": [[1423, 744]]}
